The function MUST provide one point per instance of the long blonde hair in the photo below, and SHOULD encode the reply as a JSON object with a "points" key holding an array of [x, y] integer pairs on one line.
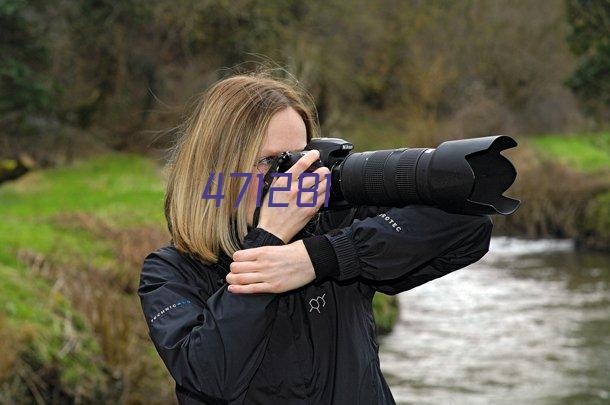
{"points": [[224, 134]]}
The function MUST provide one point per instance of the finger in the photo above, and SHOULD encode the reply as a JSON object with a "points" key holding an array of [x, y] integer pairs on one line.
{"points": [[309, 179], [308, 195], [309, 183], [244, 278], [322, 171], [281, 180], [248, 255], [244, 267], [308, 198], [251, 288], [303, 163], [321, 198]]}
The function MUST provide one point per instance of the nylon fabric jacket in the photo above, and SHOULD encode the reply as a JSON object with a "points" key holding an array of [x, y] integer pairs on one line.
{"points": [[313, 345]]}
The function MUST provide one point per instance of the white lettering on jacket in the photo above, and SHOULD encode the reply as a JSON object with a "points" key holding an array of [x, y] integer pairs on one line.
{"points": [[391, 222], [169, 307]]}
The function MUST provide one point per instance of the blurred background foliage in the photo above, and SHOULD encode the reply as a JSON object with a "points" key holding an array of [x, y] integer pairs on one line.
{"points": [[93, 91], [77, 74]]}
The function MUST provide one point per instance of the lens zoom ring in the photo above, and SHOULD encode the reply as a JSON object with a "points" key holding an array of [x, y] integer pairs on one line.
{"points": [[405, 174], [373, 176]]}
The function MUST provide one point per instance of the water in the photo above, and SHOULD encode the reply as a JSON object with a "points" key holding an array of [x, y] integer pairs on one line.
{"points": [[529, 323]]}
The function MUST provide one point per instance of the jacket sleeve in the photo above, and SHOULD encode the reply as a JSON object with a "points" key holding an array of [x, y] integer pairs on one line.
{"points": [[400, 248], [211, 344]]}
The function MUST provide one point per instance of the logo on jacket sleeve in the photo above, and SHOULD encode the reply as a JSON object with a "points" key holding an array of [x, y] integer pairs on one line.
{"points": [[168, 308], [317, 303], [391, 222]]}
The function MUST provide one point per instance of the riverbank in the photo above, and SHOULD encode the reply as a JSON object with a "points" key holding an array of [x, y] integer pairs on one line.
{"points": [[588, 154], [564, 184]]}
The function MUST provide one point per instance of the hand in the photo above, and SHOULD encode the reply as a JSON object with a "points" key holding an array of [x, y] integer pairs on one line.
{"points": [[286, 222], [270, 269]]}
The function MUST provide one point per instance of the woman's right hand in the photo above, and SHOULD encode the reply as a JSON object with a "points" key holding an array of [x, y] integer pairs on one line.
{"points": [[286, 222]]}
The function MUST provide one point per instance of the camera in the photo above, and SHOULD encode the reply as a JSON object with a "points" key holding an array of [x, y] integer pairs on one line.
{"points": [[466, 176]]}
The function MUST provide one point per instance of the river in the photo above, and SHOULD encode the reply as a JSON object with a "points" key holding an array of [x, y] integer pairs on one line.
{"points": [[527, 324]]}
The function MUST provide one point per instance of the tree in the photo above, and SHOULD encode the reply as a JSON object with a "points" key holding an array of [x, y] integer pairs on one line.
{"points": [[25, 83], [589, 39]]}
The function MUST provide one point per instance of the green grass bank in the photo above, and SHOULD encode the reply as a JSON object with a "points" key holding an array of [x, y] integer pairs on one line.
{"points": [[589, 156]]}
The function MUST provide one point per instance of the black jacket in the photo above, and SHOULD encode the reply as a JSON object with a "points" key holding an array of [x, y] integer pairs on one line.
{"points": [[312, 345]]}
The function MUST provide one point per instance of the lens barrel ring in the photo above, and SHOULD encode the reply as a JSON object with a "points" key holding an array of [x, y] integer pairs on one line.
{"points": [[406, 174], [373, 175]]}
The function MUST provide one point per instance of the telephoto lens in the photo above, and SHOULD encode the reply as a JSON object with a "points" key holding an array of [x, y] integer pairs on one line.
{"points": [[466, 176]]}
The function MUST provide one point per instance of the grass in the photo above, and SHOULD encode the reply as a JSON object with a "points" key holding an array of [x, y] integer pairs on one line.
{"points": [[596, 226], [586, 152], [42, 324], [120, 190], [385, 309]]}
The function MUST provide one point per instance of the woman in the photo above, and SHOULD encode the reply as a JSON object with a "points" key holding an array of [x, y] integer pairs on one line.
{"points": [[245, 314]]}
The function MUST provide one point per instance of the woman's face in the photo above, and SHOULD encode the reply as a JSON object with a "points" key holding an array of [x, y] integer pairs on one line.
{"points": [[286, 131]]}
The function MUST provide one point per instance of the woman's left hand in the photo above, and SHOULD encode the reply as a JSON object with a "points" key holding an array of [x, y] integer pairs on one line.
{"points": [[270, 269]]}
